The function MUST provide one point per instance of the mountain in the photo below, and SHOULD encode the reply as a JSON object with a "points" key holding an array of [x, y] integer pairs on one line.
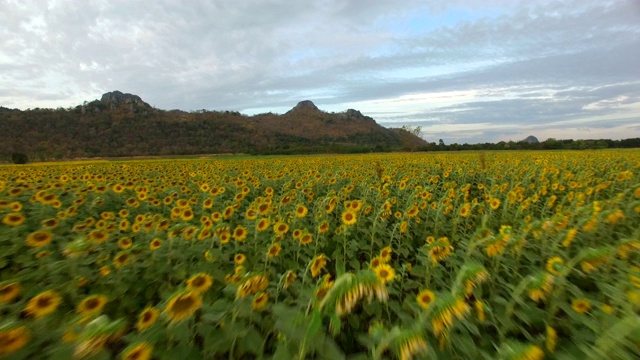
{"points": [[531, 139], [121, 124]]}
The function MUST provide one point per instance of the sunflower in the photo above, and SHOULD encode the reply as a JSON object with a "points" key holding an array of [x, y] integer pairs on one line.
{"points": [[239, 259], [199, 283], [581, 306], [224, 236], [440, 250], [125, 243], [120, 260], [554, 265], [412, 212], [385, 254], [39, 239], [13, 219], [240, 233], [306, 239], [551, 339], [317, 264], [155, 244], [479, 305], [50, 223], [385, 273], [105, 270], [182, 305], [43, 304], [9, 291], [296, 234], [141, 351], [260, 301], [425, 298], [147, 318], [12, 340], [494, 203], [301, 211], [323, 227], [465, 210], [280, 228], [98, 236], [274, 250], [263, 224], [91, 305], [349, 218], [228, 212]]}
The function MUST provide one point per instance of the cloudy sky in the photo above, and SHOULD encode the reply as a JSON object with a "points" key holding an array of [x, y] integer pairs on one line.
{"points": [[464, 70]]}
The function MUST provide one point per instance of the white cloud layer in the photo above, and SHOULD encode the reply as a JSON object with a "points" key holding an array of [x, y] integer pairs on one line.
{"points": [[467, 71]]}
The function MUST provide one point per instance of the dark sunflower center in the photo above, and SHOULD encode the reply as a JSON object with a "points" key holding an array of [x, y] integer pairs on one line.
{"points": [[184, 303], [197, 282], [44, 302], [383, 273], [92, 304], [146, 317]]}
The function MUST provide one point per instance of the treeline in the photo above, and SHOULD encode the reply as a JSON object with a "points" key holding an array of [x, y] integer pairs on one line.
{"points": [[549, 144]]}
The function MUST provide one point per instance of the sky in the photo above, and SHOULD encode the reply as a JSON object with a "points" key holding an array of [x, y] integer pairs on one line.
{"points": [[465, 71]]}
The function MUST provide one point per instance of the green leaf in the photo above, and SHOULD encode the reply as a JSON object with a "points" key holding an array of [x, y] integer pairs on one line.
{"points": [[252, 341]]}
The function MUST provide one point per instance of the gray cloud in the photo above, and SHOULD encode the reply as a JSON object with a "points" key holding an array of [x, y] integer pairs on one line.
{"points": [[522, 62]]}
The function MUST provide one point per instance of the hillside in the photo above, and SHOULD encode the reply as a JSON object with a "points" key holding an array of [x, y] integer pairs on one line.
{"points": [[124, 125]]}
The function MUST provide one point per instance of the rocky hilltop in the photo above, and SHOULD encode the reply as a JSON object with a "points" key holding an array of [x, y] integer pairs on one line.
{"points": [[121, 124]]}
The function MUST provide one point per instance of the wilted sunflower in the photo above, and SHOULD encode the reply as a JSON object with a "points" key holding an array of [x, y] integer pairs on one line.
{"points": [[91, 305], [9, 291], [260, 301], [385, 273], [14, 219], [43, 304], [317, 264], [200, 282], [147, 318], [182, 306], [289, 277], [425, 298], [141, 351], [274, 250], [39, 239], [12, 340]]}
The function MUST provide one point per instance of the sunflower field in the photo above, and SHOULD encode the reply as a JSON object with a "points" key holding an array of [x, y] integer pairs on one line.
{"points": [[496, 255]]}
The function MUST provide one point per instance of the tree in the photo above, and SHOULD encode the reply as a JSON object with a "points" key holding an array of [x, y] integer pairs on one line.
{"points": [[19, 158]]}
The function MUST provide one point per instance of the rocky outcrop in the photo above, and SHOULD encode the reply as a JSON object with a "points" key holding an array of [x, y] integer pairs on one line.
{"points": [[116, 99], [304, 106]]}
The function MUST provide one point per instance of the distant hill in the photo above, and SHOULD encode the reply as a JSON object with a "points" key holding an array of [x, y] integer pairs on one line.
{"points": [[121, 124], [531, 139]]}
